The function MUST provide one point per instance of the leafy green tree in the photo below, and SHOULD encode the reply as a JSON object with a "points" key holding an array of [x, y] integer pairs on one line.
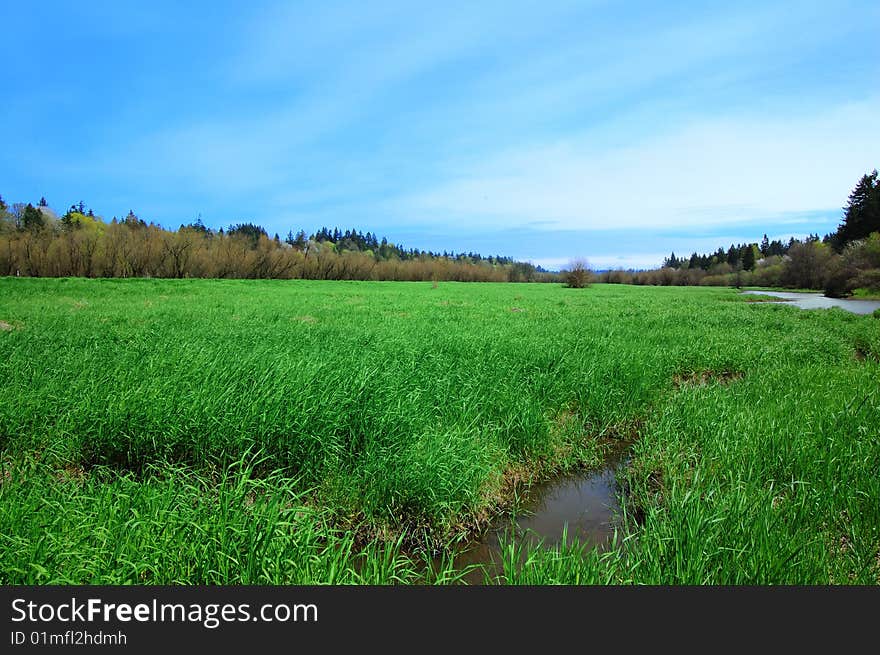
{"points": [[72, 219], [807, 265]]}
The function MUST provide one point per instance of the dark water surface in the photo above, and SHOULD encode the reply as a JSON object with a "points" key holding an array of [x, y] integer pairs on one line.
{"points": [[818, 301], [583, 505]]}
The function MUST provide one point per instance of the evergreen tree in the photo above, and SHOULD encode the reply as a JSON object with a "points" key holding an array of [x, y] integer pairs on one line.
{"points": [[133, 221], [862, 212], [748, 258], [198, 226], [32, 219], [247, 230], [732, 255]]}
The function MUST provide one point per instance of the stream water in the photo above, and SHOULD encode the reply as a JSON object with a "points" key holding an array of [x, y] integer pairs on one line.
{"points": [[818, 301], [583, 506]]}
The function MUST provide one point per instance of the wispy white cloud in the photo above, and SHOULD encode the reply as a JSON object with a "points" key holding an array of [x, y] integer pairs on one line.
{"points": [[572, 115], [715, 171], [339, 44]]}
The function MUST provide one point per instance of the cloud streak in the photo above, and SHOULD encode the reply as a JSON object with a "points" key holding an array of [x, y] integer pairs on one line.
{"points": [[458, 119], [713, 172]]}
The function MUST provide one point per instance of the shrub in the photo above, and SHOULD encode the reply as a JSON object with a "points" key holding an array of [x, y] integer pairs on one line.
{"points": [[869, 279], [577, 275]]}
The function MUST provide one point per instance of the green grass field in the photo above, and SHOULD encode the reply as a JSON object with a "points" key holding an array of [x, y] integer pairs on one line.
{"points": [[287, 432]]}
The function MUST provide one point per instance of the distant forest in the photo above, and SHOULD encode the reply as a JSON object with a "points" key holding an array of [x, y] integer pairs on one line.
{"points": [[36, 241], [841, 263]]}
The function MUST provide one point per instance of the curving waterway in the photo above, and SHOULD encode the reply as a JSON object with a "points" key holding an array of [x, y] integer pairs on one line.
{"points": [[581, 507], [818, 301]]}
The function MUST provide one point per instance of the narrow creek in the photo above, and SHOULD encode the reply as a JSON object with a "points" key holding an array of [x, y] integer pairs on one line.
{"points": [[583, 505]]}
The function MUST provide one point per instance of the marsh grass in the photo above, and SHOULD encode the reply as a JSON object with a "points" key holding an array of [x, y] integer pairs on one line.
{"points": [[196, 431]]}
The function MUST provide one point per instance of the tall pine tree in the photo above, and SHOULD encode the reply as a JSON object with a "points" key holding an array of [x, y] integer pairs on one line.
{"points": [[862, 212]]}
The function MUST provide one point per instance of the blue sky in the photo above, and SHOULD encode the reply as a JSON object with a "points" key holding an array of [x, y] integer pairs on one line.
{"points": [[541, 130]]}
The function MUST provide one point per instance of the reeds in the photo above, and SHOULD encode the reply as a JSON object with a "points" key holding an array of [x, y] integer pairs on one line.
{"points": [[200, 431]]}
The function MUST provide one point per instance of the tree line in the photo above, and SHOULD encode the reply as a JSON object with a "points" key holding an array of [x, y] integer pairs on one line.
{"points": [[840, 263], [35, 241]]}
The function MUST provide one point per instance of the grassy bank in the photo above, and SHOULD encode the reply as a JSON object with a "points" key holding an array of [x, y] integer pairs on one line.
{"points": [[865, 294], [309, 432], [857, 294], [785, 289]]}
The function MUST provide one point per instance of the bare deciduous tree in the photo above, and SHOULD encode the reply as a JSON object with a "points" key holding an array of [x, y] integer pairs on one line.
{"points": [[577, 275]]}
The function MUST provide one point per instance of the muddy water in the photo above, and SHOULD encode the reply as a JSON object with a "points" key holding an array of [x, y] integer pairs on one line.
{"points": [[584, 504], [818, 301]]}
